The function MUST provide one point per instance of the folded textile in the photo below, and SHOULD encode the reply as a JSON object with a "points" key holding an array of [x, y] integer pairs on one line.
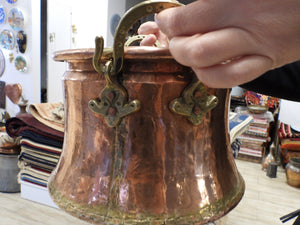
{"points": [[38, 155], [290, 144], [238, 123], [26, 122], [34, 175], [50, 114], [41, 148], [41, 155], [260, 122], [39, 161], [257, 131], [34, 171], [253, 98], [33, 180], [250, 151], [252, 145], [285, 131], [287, 154], [254, 139], [41, 139]]}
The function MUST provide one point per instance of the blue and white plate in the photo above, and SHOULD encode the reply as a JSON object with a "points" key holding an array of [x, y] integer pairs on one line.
{"points": [[2, 15], [11, 1]]}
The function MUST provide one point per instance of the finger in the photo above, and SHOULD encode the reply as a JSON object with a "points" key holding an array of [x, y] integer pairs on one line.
{"points": [[148, 28], [213, 47], [149, 40], [198, 17], [235, 72]]}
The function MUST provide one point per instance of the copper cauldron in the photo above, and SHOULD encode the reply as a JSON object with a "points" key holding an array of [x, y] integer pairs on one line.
{"points": [[145, 141]]}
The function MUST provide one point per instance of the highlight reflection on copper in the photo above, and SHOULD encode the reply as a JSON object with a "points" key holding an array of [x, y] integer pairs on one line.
{"points": [[155, 166]]}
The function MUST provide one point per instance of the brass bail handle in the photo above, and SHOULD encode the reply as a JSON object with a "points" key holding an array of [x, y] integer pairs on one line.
{"points": [[130, 17], [113, 104], [138, 38]]}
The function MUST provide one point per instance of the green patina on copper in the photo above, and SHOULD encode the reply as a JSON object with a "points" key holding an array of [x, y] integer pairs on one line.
{"points": [[99, 214]]}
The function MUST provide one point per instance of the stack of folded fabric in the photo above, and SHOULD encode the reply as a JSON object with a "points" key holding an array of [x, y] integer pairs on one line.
{"points": [[289, 142], [255, 138], [41, 134]]}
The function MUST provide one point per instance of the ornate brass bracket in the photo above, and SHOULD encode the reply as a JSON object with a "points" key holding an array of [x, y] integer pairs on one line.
{"points": [[194, 103], [113, 104]]}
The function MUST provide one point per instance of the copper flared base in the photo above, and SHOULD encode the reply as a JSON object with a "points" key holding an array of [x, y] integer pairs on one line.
{"points": [[105, 215]]}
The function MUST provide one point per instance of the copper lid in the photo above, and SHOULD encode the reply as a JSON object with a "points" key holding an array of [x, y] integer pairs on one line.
{"points": [[136, 58]]}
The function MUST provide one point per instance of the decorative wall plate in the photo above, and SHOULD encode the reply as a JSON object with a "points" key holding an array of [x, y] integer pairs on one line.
{"points": [[11, 1], [7, 39], [22, 41], [2, 63], [21, 64], [16, 19], [2, 15]]}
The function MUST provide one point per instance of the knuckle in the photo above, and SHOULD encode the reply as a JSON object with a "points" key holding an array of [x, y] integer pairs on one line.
{"points": [[169, 23], [199, 51]]}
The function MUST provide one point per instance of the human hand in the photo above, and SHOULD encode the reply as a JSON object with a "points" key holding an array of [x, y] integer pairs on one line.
{"points": [[230, 42], [153, 33]]}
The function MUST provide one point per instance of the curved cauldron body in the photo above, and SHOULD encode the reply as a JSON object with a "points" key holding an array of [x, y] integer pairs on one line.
{"points": [[155, 166]]}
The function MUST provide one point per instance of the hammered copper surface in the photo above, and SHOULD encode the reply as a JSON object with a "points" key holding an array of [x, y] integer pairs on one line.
{"points": [[155, 167]]}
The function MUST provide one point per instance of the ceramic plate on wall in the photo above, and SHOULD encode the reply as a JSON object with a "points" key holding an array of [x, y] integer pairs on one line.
{"points": [[7, 39], [22, 41], [2, 63], [2, 15], [16, 19], [11, 1], [21, 64]]}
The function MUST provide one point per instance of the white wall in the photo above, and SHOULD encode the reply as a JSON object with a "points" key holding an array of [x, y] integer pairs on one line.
{"points": [[290, 113], [90, 19]]}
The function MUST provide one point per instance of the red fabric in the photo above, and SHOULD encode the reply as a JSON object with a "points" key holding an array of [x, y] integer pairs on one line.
{"points": [[287, 154], [253, 98], [290, 143], [23, 122], [285, 131]]}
